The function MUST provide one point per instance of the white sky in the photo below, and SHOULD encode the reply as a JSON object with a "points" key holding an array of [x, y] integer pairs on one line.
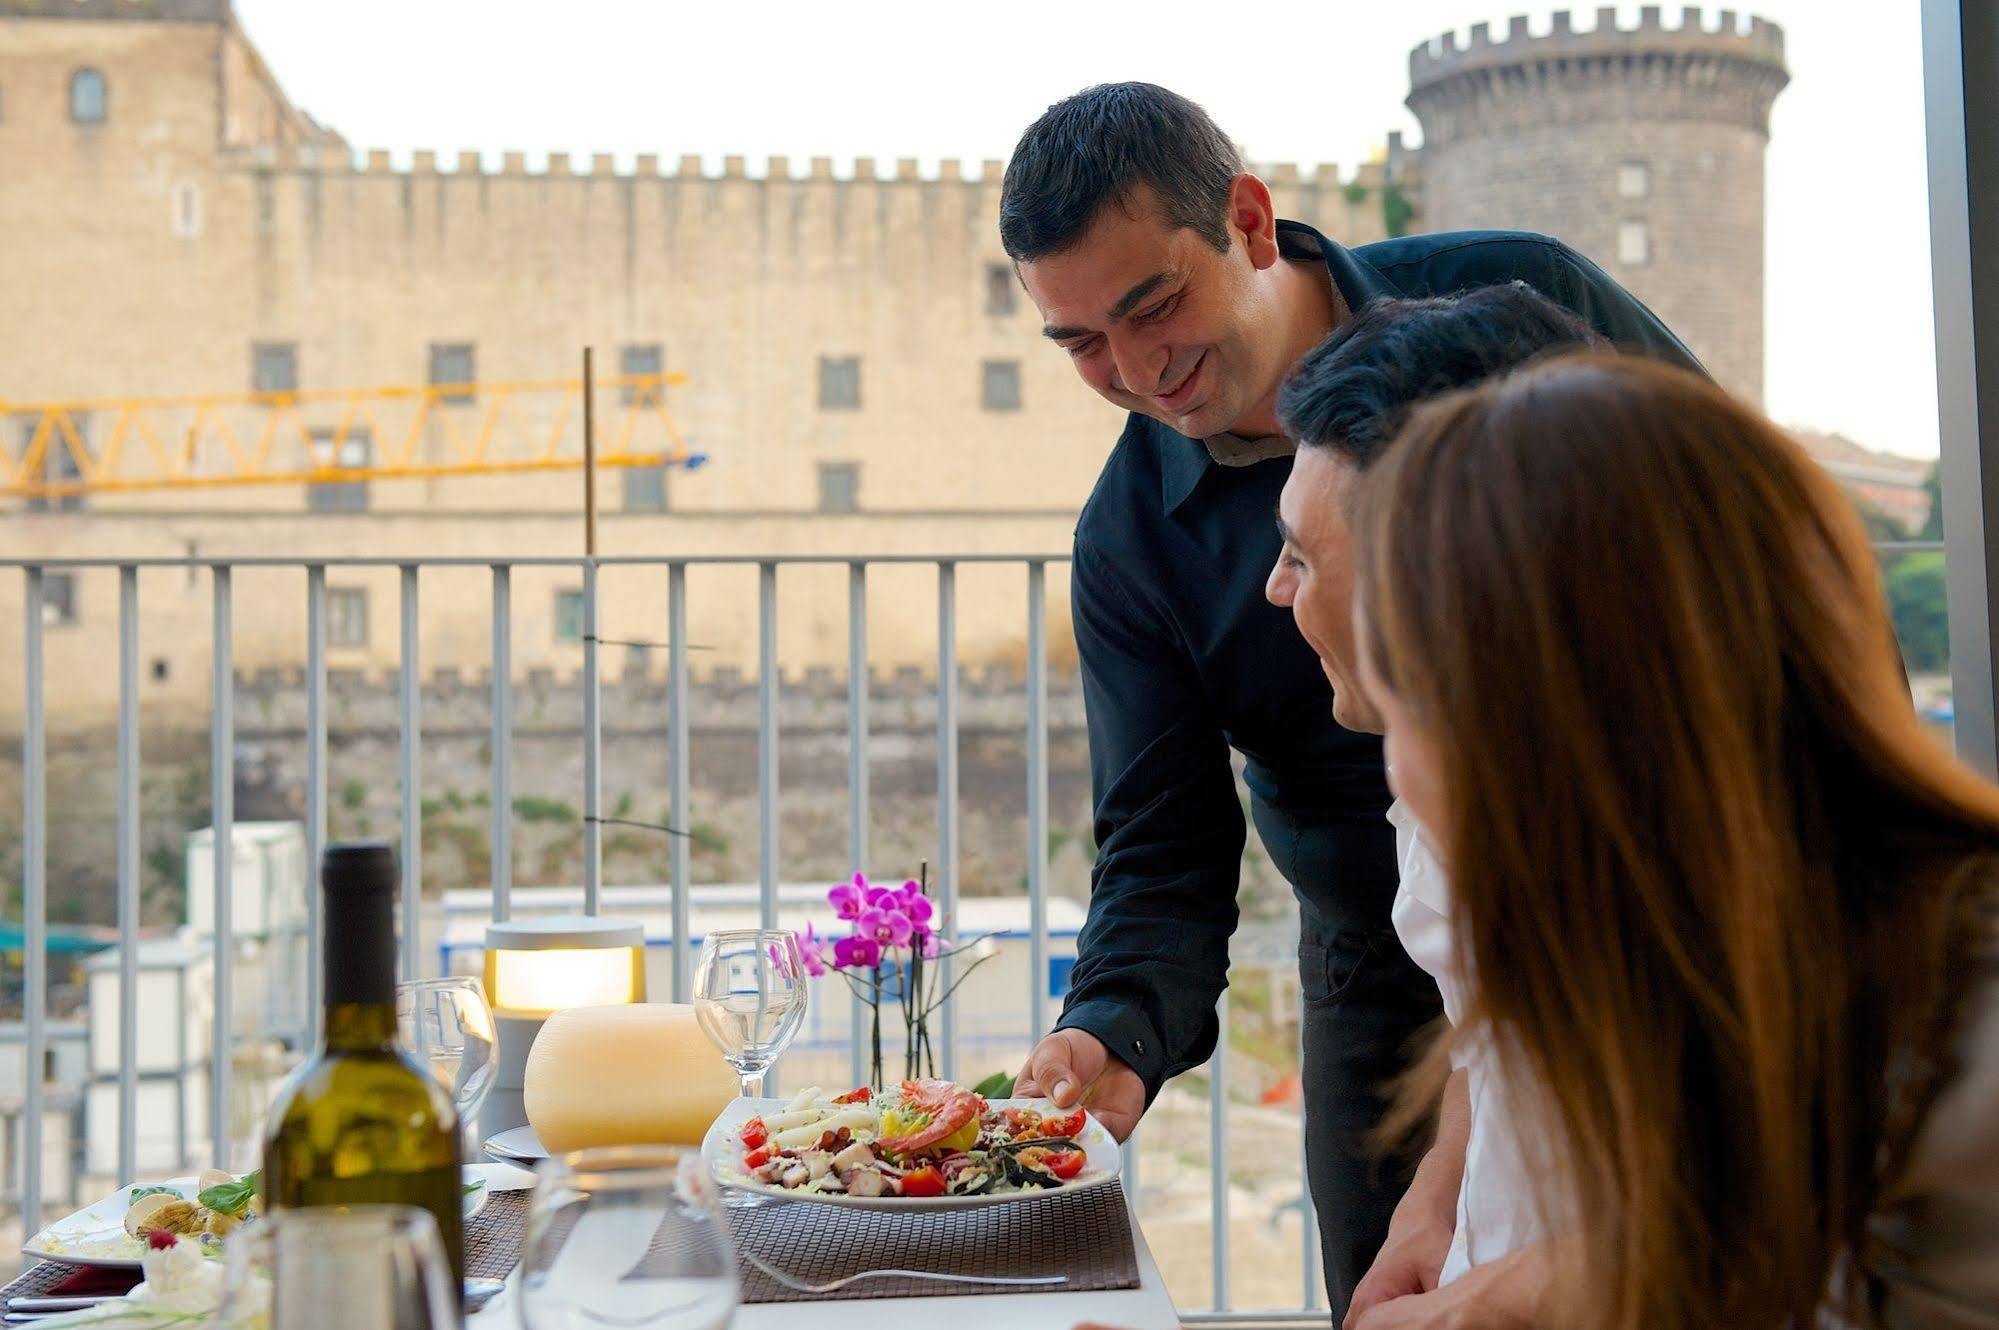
{"points": [[1849, 331]]}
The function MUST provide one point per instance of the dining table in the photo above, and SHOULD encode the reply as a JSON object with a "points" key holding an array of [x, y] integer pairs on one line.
{"points": [[1146, 1307]]}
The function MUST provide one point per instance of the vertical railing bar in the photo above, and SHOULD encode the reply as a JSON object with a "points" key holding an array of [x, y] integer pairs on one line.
{"points": [[767, 737], [34, 906], [678, 765], [947, 799], [857, 776], [1308, 1214], [409, 691], [128, 874], [500, 849], [1218, 1157], [593, 770], [767, 753], [1037, 799], [222, 800], [315, 787]]}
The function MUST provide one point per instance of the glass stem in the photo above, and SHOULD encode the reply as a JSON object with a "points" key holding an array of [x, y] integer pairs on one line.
{"points": [[753, 1082]]}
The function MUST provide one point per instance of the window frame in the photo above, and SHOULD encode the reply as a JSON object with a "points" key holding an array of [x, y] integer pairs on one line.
{"points": [[76, 77], [1640, 228], [852, 471], [357, 597], [564, 597], [827, 367], [258, 351], [1001, 278], [627, 354], [340, 496], [987, 381], [440, 350], [60, 610]]}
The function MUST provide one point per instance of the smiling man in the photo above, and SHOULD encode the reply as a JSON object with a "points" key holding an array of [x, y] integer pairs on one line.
{"points": [[1160, 269]]}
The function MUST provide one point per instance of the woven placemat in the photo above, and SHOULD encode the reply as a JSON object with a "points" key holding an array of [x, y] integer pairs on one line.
{"points": [[1084, 1235], [492, 1250]]}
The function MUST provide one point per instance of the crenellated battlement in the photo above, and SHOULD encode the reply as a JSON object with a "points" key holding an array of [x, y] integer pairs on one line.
{"points": [[651, 166], [1446, 56]]}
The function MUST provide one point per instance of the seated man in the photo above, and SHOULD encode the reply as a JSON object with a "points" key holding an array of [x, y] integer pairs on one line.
{"points": [[1469, 1202]]}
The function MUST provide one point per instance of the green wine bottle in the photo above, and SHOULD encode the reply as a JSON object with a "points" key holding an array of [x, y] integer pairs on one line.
{"points": [[361, 1122]]}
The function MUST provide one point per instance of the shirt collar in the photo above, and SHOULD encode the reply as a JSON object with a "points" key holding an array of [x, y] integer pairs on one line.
{"points": [[1185, 461]]}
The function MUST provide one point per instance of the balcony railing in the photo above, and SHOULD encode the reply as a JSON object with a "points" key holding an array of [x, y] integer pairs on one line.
{"points": [[222, 575]]}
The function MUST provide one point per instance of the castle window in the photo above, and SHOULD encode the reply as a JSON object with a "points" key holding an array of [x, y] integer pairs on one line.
{"points": [[58, 600], [453, 363], [645, 489], [274, 367], [839, 487], [1001, 293], [89, 101], [1634, 244], [839, 383], [186, 222], [1634, 180], [999, 385], [646, 358], [569, 616], [348, 452], [346, 616], [59, 462]]}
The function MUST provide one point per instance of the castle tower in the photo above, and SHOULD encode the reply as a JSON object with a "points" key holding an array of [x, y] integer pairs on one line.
{"points": [[1641, 147]]}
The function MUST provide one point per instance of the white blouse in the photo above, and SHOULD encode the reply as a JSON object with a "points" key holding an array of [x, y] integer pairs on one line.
{"points": [[1496, 1213]]}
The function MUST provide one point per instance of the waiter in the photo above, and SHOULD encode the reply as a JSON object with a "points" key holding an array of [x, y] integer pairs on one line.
{"points": [[1160, 269]]}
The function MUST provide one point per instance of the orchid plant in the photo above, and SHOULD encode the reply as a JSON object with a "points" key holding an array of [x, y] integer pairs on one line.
{"points": [[893, 952]]}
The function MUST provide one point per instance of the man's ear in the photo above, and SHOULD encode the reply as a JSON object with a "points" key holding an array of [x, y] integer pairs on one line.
{"points": [[1253, 217]]}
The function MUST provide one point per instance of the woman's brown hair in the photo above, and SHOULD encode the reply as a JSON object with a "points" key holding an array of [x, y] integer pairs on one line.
{"points": [[1701, 846]]}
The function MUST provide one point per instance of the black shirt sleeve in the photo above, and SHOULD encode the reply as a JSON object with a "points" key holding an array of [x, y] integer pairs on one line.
{"points": [[1152, 958]]}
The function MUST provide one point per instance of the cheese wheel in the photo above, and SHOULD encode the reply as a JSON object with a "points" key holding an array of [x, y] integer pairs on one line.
{"points": [[640, 1074]]}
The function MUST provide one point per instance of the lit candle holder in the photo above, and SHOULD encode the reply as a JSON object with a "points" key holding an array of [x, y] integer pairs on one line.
{"points": [[537, 967]]}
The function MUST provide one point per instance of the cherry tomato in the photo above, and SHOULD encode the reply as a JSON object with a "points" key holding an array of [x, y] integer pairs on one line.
{"points": [[758, 1157], [925, 1181], [1064, 1164], [1068, 1126], [755, 1133], [860, 1096]]}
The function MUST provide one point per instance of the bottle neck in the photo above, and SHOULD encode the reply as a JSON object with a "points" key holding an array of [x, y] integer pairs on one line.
{"points": [[360, 1027]]}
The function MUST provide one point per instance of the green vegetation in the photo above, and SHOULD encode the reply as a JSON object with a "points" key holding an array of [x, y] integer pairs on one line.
{"points": [[1396, 210], [1356, 194], [1916, 600], [353, 794], [534, 808]]}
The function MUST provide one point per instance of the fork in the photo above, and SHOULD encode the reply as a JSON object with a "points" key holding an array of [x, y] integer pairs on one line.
{"points": [[803, 1286]]}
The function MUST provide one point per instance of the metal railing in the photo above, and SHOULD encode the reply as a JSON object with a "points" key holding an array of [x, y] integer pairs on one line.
{"points": [[223, 776]]}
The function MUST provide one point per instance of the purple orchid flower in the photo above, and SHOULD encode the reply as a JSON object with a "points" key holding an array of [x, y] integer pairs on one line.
{"points": [[931, 945], [857, 953], [920, 911], [888, 927], [850, 898], [813, 952]]}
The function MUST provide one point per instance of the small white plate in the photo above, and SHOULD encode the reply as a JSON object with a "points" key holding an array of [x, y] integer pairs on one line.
{"points": [[723, 1151], [80, 1239], [516, 1145]]}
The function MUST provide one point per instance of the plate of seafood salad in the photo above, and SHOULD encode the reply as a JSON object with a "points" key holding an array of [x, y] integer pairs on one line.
{"points": [[115, 1231], [923, 1145]]}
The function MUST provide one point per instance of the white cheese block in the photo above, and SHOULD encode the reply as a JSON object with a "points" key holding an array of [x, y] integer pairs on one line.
{"points": [[640, 1074]]}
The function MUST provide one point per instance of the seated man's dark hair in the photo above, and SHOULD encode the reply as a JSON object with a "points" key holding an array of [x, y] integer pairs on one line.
{"points": [[1352, 391], [1099, 146]]}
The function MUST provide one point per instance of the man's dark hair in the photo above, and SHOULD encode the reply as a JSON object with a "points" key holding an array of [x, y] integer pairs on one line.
{"points": [[1353, 390], [1098, 147]]}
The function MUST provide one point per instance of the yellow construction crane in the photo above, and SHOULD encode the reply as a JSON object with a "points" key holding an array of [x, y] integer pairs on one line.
{"points": [[329, 436]]}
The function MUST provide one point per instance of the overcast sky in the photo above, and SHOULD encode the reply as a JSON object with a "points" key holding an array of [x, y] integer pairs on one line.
{"points": [[1850, 338]]}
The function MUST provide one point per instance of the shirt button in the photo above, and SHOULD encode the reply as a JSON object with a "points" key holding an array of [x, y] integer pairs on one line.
{"points": [[1138, 1047]]}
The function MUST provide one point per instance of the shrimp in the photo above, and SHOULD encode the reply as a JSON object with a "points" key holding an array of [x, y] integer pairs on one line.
{"points": [[929, 1113]]}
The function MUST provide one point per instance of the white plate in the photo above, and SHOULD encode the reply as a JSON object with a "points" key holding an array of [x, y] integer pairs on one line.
{"points": [[723, 1151], [517, 1145], [104, 1222]]}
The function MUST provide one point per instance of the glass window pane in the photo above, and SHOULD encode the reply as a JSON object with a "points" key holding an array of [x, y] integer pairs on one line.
{"points": [[1634, 180], [274, 367], [87, 97], [644, 358], [1000, 385], [453, 363], [645, 489], [1001, 290], [351, 451], [58, 599], [1634, 244], [569, 616], [346, 616], [839, 383], [839, 487]]}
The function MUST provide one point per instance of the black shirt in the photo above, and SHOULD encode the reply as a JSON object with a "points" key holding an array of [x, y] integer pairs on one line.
{"points": [[1183, 659]]}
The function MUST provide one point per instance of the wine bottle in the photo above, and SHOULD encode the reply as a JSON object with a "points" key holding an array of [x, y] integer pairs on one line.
{"points": [[361, 1122]]}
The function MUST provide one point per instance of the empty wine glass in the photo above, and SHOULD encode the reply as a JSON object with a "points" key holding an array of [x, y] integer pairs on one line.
{"points": [[449, 1027], [749, 998], [627, 1236], [322, 1268]]}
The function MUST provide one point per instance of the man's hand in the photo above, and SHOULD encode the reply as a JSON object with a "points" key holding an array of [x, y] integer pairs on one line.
{"points": [[1409, 1263], [1510, 1293], [1072, 1067]]}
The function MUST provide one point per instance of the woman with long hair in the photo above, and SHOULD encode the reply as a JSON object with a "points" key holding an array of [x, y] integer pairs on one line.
{"points": [[1727, 909]]}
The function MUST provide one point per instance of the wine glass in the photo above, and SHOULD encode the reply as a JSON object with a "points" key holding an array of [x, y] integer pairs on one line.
{"points": [[321, 1268], [749, 998], [629, 1236], [448, 1025]]}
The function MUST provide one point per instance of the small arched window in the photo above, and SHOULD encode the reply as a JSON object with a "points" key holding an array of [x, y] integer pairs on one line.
{"points": [[88, 98]]}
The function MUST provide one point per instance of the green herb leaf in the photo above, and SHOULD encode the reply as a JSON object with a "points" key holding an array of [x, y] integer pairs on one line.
{"points": [[473, 1186], [999, 1085], [138, 1192], [231, 1198]]}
